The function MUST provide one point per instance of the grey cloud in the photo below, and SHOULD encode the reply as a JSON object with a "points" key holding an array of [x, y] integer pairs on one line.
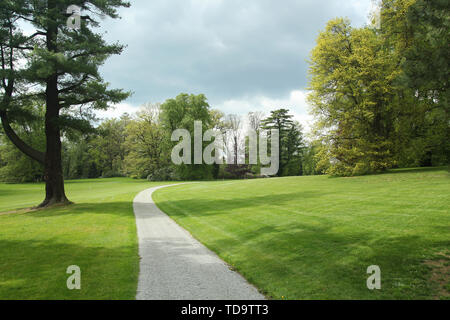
{"points": [[224, 48]]}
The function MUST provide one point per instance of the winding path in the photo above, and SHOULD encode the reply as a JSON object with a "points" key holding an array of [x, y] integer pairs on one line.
{"points": [[175, 266]]}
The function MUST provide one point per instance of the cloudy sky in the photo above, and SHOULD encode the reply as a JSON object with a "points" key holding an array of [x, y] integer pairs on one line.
{"points": [[244, 55]]}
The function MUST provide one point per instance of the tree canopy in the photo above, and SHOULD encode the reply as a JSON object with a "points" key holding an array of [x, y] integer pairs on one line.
{"points": [[378, 101]]}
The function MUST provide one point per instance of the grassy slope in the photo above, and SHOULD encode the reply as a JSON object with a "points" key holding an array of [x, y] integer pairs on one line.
{"points": [[98, 234], [314, 237]]}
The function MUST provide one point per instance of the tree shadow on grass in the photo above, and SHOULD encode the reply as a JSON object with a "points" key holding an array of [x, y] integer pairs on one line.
{"points": [[121, 208], [309, 259], [8, 192], [417, 170], [225, 206], [106, 180], [316, 261], [302, 261], [36, 269], [215, 207], [398, 171]]}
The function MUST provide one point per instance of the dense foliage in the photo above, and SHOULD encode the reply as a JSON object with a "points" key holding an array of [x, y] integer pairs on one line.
{"points": [[380, 96]]}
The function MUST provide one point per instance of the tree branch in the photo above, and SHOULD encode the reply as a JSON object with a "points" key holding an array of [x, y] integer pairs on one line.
{"points": [[76, 85], [37, 33], [19, 143]]}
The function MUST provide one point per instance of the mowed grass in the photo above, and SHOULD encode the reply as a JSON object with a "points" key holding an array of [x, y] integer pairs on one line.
{"points": [[315, 237], [98, 234]]}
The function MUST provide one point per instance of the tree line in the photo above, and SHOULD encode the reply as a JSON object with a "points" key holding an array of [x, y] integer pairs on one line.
{"points": [[140, 146]]}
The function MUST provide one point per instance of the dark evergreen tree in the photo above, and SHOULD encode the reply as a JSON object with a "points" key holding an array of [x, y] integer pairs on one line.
{"points": [[282, 121], [61, 70]]}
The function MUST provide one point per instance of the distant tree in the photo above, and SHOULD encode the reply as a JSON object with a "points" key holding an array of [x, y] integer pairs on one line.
{"points": [[235, 148], [181, 113], [217, 119], [78, 162], [310, 159], [255, 120], [294, 148], [57, 65], [108, 147], [145, 143], [217, 123], [282, 121], [233, 125]]}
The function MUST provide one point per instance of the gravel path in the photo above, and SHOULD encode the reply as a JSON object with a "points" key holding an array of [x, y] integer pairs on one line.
{"points": [[175, 266]]}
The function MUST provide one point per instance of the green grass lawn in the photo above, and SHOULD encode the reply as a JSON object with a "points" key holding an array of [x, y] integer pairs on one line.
{"points": [[314, 237], [98, 234], [294, 238]]}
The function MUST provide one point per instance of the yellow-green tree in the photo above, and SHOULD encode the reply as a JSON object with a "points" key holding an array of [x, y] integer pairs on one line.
{"points": [[145, 143], [353, 94]]}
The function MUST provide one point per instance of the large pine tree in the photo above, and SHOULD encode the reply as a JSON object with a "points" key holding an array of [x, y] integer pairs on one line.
{"points": [[57, 65]]}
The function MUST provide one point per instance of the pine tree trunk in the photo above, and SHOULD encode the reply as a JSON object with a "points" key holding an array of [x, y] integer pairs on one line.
{"points": [[54, 180]]}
